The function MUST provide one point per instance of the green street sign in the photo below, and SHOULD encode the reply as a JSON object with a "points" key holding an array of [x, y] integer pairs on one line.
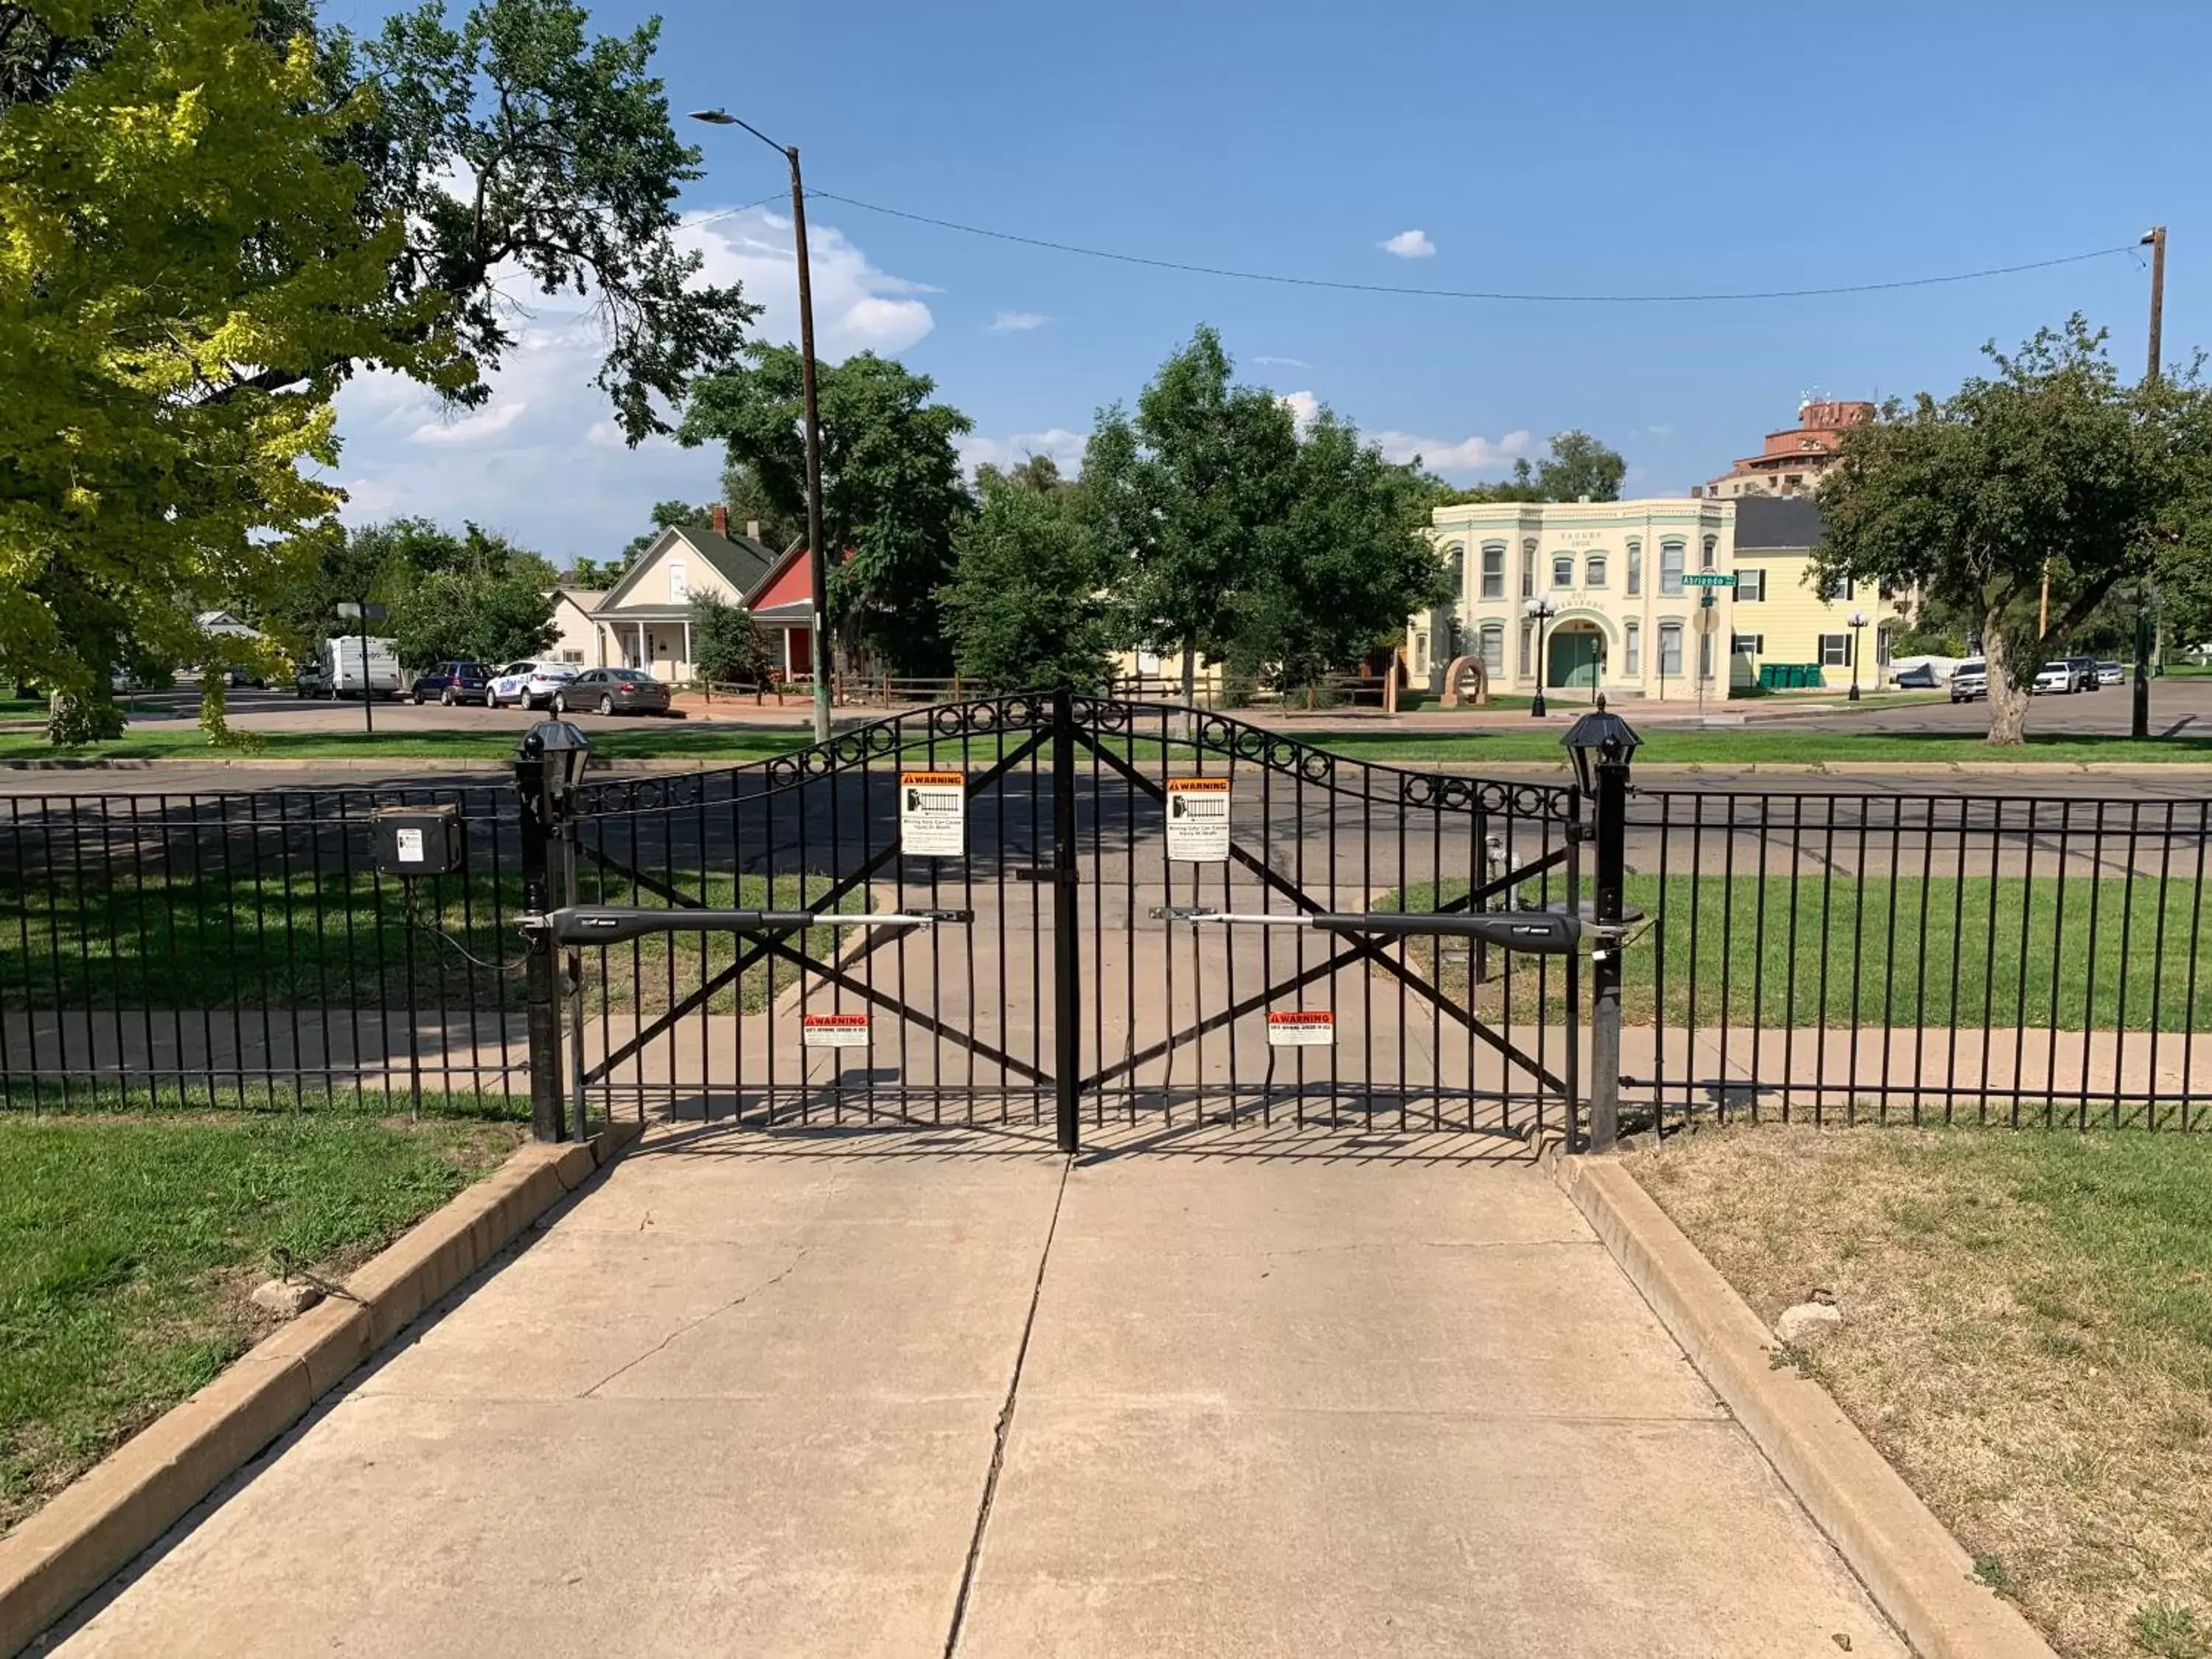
{"points": [[1709, 579]]}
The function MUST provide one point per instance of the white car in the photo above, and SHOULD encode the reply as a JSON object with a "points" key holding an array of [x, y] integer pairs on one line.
{"points": [[1969, 679], [528, 684], [2054, 676]]}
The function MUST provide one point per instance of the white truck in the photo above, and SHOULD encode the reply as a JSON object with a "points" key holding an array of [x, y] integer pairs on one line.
{"points": [[350, 672]]}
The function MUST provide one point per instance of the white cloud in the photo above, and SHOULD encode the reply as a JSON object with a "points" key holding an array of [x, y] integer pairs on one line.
{"points": [[1411, 245], [543, 460], [486, 423], [1284, 362], [1664, 431], [1467, 455], [1017, 322], [1304, 407], [1065, 447]]}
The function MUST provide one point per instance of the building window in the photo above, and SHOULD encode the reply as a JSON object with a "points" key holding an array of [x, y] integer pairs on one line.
{"points": [[1670, 650], [1635, 569], [1635, 651], [1456, 561], [1835, 651], [1493, 571], [1795, 481], [1670, 568], [1705, 557], [572, 656], [1493, 648], [1595, 576], [1839, 589], [1527, 647], [1747, 645], [1420, 654], [1750, 584], [679, 582], [1528, 570], [1563, 570], [1881, 648], [1705, 656]]}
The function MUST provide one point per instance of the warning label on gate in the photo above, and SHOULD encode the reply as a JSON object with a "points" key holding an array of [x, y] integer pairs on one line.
{"points": [[1302, 1027], [1197, 820], [933, 814], [834, 1030]]}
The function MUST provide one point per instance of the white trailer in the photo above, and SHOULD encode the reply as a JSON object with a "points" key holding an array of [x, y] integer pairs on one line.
{"points": [[346, 673]]}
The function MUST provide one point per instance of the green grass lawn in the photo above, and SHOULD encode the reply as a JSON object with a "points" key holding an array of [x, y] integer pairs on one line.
{"points": [[2027, 1335], [139, 935], [1941, 950], [127, 1247]]}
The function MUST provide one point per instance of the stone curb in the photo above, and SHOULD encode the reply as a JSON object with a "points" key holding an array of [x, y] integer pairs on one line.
{"points": [[1915, 1571], [95, 1526]]}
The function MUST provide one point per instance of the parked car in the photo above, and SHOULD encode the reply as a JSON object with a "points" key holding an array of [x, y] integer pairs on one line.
{"points": [[313, 680], [355, 667], [613, 691], [528, 684], [1921, 677], [2109, 673], [1971, 679], [450, 683], [2055, 677], [2081, 671]]}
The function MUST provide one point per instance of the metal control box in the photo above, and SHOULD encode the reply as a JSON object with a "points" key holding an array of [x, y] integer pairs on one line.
{"points": [[416, 841]]}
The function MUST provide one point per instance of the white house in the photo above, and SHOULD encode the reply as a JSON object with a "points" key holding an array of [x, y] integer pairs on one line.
{"points": [[644, 621], [581, 643]]}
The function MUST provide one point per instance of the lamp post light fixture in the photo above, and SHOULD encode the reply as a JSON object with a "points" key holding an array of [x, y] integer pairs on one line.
{"points": [[1540, 610], [1855, 622], [1601, 746], [818, 559]]}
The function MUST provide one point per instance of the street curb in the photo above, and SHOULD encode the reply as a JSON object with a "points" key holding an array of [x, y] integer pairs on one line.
{"points": [[95, 1526], [1915, 1571]]}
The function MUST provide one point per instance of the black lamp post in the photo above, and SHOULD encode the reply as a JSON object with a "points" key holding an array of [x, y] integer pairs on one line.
{"points": [[1541, 610], [1856, 621], [1601, 745]]}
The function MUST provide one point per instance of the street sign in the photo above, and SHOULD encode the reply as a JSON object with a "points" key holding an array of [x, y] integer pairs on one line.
{"points": [[1302, 1027], [834, 1030], [374, 611], [933, 814], [1709, 579], [1197, 820]]}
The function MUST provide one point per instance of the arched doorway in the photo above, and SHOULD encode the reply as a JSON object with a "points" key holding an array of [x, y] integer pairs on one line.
{"points": [[1574, 656]]}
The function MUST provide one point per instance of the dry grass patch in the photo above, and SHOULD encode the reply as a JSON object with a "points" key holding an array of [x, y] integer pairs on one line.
{"points": [[2028, 1337]]}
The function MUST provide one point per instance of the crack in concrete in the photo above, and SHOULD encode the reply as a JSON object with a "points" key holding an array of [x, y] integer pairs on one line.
{"points": [[689, 1326]]}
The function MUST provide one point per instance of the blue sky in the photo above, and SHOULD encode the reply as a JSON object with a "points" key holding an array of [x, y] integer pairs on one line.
{"points": [[1608, 146]]}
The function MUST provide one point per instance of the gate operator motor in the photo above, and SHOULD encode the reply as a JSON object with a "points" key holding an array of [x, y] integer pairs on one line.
{"points": [[416, 841]]}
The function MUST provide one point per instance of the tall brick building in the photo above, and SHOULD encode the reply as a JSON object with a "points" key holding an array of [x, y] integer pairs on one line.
{"points": [[1793, 460]]}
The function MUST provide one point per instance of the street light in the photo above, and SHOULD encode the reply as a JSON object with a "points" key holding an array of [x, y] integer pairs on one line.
{"points": [[818, 560], [1540, 610], [1856, 621]]}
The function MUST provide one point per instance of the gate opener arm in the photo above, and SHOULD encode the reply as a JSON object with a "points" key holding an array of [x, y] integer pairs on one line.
{"points": [[610, 924], [1535, 932]]}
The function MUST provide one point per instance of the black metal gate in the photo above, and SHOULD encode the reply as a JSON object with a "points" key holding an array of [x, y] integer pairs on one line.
{"points": [[762, 942]]}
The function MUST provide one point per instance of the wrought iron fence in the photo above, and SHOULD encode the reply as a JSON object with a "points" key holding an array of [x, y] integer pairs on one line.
{"points": [[1918, 958], [219, 950]]}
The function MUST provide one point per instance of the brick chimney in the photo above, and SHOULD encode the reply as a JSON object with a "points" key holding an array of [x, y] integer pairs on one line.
{"points": [[752, 528], [721, 521]]}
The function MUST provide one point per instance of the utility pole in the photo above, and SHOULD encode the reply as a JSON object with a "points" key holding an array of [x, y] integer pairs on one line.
{"points": [[818, 559], [2139, 720]]}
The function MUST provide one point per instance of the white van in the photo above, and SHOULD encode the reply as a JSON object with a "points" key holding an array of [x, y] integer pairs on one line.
{"points": [[346, 675]]}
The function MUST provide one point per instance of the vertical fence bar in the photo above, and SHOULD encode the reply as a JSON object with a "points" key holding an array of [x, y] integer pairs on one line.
{"points": [[1067, 958]]}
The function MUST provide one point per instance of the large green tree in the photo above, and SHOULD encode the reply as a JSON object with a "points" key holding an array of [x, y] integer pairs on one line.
{"points": [[2049, 468], [1578, 465], [1031, 603], [1182, 494], [1344, 566], [892, 495], [216, 212]]}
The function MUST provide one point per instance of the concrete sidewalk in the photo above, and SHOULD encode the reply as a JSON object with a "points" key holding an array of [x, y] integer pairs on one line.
{"points": [[914, 1393]]}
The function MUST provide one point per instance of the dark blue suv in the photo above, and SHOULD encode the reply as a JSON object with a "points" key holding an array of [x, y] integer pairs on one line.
{"points": [[450, 683]]}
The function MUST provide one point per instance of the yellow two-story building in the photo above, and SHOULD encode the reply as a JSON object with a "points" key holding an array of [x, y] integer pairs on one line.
{"points": [[1616, 592]]}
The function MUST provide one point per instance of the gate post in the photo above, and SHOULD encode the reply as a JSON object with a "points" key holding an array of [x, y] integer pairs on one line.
{"points": [[1067, 958], [1601, 746], [545, 771]]}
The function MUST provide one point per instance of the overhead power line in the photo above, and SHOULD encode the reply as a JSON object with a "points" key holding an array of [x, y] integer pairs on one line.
{"points": [[1474, 294]]}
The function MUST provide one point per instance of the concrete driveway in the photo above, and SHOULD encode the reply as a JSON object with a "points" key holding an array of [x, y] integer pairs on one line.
{"points": [[920, 1395]]}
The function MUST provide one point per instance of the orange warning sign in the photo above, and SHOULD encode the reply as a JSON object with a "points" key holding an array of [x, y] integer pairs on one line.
{"points": [[1302, 1027], [834, 1030]]}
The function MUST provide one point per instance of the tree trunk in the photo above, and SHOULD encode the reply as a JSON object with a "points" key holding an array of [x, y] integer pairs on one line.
{"points": [[1189, 673], [2007, 701]]}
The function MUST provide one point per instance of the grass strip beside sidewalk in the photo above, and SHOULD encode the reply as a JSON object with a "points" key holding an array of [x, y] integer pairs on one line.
{"points": [[2027, 1336], [128, 1248]]}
